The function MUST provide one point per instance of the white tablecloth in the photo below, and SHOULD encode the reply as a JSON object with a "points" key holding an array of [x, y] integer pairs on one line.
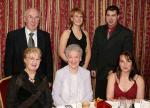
{"points": [[128, 103], [115, 104], [78, 105]]}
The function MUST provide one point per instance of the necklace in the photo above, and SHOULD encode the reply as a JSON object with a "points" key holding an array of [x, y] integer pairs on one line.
{"points": [[73, 89], [31, 79]]}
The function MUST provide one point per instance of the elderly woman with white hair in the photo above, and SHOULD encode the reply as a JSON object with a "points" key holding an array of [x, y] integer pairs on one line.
{"points": [[72, 83]]}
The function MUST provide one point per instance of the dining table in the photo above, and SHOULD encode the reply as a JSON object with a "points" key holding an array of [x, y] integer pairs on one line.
{"points": [[115, 104]]}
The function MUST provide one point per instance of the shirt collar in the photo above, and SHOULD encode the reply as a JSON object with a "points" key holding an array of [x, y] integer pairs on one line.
{"points": [[28, 31], [111, 29]]}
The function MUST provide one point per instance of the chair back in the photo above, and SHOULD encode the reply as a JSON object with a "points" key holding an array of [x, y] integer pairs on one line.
{"points": [[3, 90], [147, 86]]}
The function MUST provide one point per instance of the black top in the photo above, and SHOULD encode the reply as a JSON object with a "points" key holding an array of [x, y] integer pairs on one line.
{"points": [[82, 42], [18, 94]]}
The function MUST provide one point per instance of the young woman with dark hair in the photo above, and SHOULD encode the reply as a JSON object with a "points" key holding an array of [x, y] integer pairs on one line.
{"points": [[126, 82]]}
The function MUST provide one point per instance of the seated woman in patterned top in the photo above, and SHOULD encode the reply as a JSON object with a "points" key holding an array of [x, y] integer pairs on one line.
{"points": [[125, 83]]}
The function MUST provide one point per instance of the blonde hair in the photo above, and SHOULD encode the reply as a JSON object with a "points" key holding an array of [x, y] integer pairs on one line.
{"points": [[73, 11], [32, 50]]}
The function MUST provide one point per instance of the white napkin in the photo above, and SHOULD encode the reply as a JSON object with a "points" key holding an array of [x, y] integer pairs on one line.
{"points": [[137, 104], [142, 104], [114, 104], [145, 104]]}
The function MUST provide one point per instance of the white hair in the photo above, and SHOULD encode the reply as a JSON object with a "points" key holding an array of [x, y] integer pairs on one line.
{"points": [[73, 47]]}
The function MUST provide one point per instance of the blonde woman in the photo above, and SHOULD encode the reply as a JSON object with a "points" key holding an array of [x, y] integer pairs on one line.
{"points": [[29, 89], [75, 35]]}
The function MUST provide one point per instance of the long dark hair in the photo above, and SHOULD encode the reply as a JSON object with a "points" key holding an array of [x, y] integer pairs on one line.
{"points": [[134, 69]]}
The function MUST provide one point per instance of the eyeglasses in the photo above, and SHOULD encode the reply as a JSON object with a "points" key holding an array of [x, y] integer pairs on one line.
{"points": [[35, 18], [33, 59]]}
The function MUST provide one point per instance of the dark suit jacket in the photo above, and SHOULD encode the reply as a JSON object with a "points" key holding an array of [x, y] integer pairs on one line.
{"points": [[16, 43], [105, 53]]}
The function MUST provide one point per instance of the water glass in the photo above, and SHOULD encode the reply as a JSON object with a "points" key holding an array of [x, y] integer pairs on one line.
{"points": [[129, 103], [122, 104]]}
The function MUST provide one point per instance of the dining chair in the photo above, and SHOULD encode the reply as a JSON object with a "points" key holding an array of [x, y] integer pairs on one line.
{"points": [[3, 90]]}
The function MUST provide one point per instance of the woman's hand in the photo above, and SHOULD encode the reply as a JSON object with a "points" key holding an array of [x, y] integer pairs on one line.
{"points": [[93, 73]]}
